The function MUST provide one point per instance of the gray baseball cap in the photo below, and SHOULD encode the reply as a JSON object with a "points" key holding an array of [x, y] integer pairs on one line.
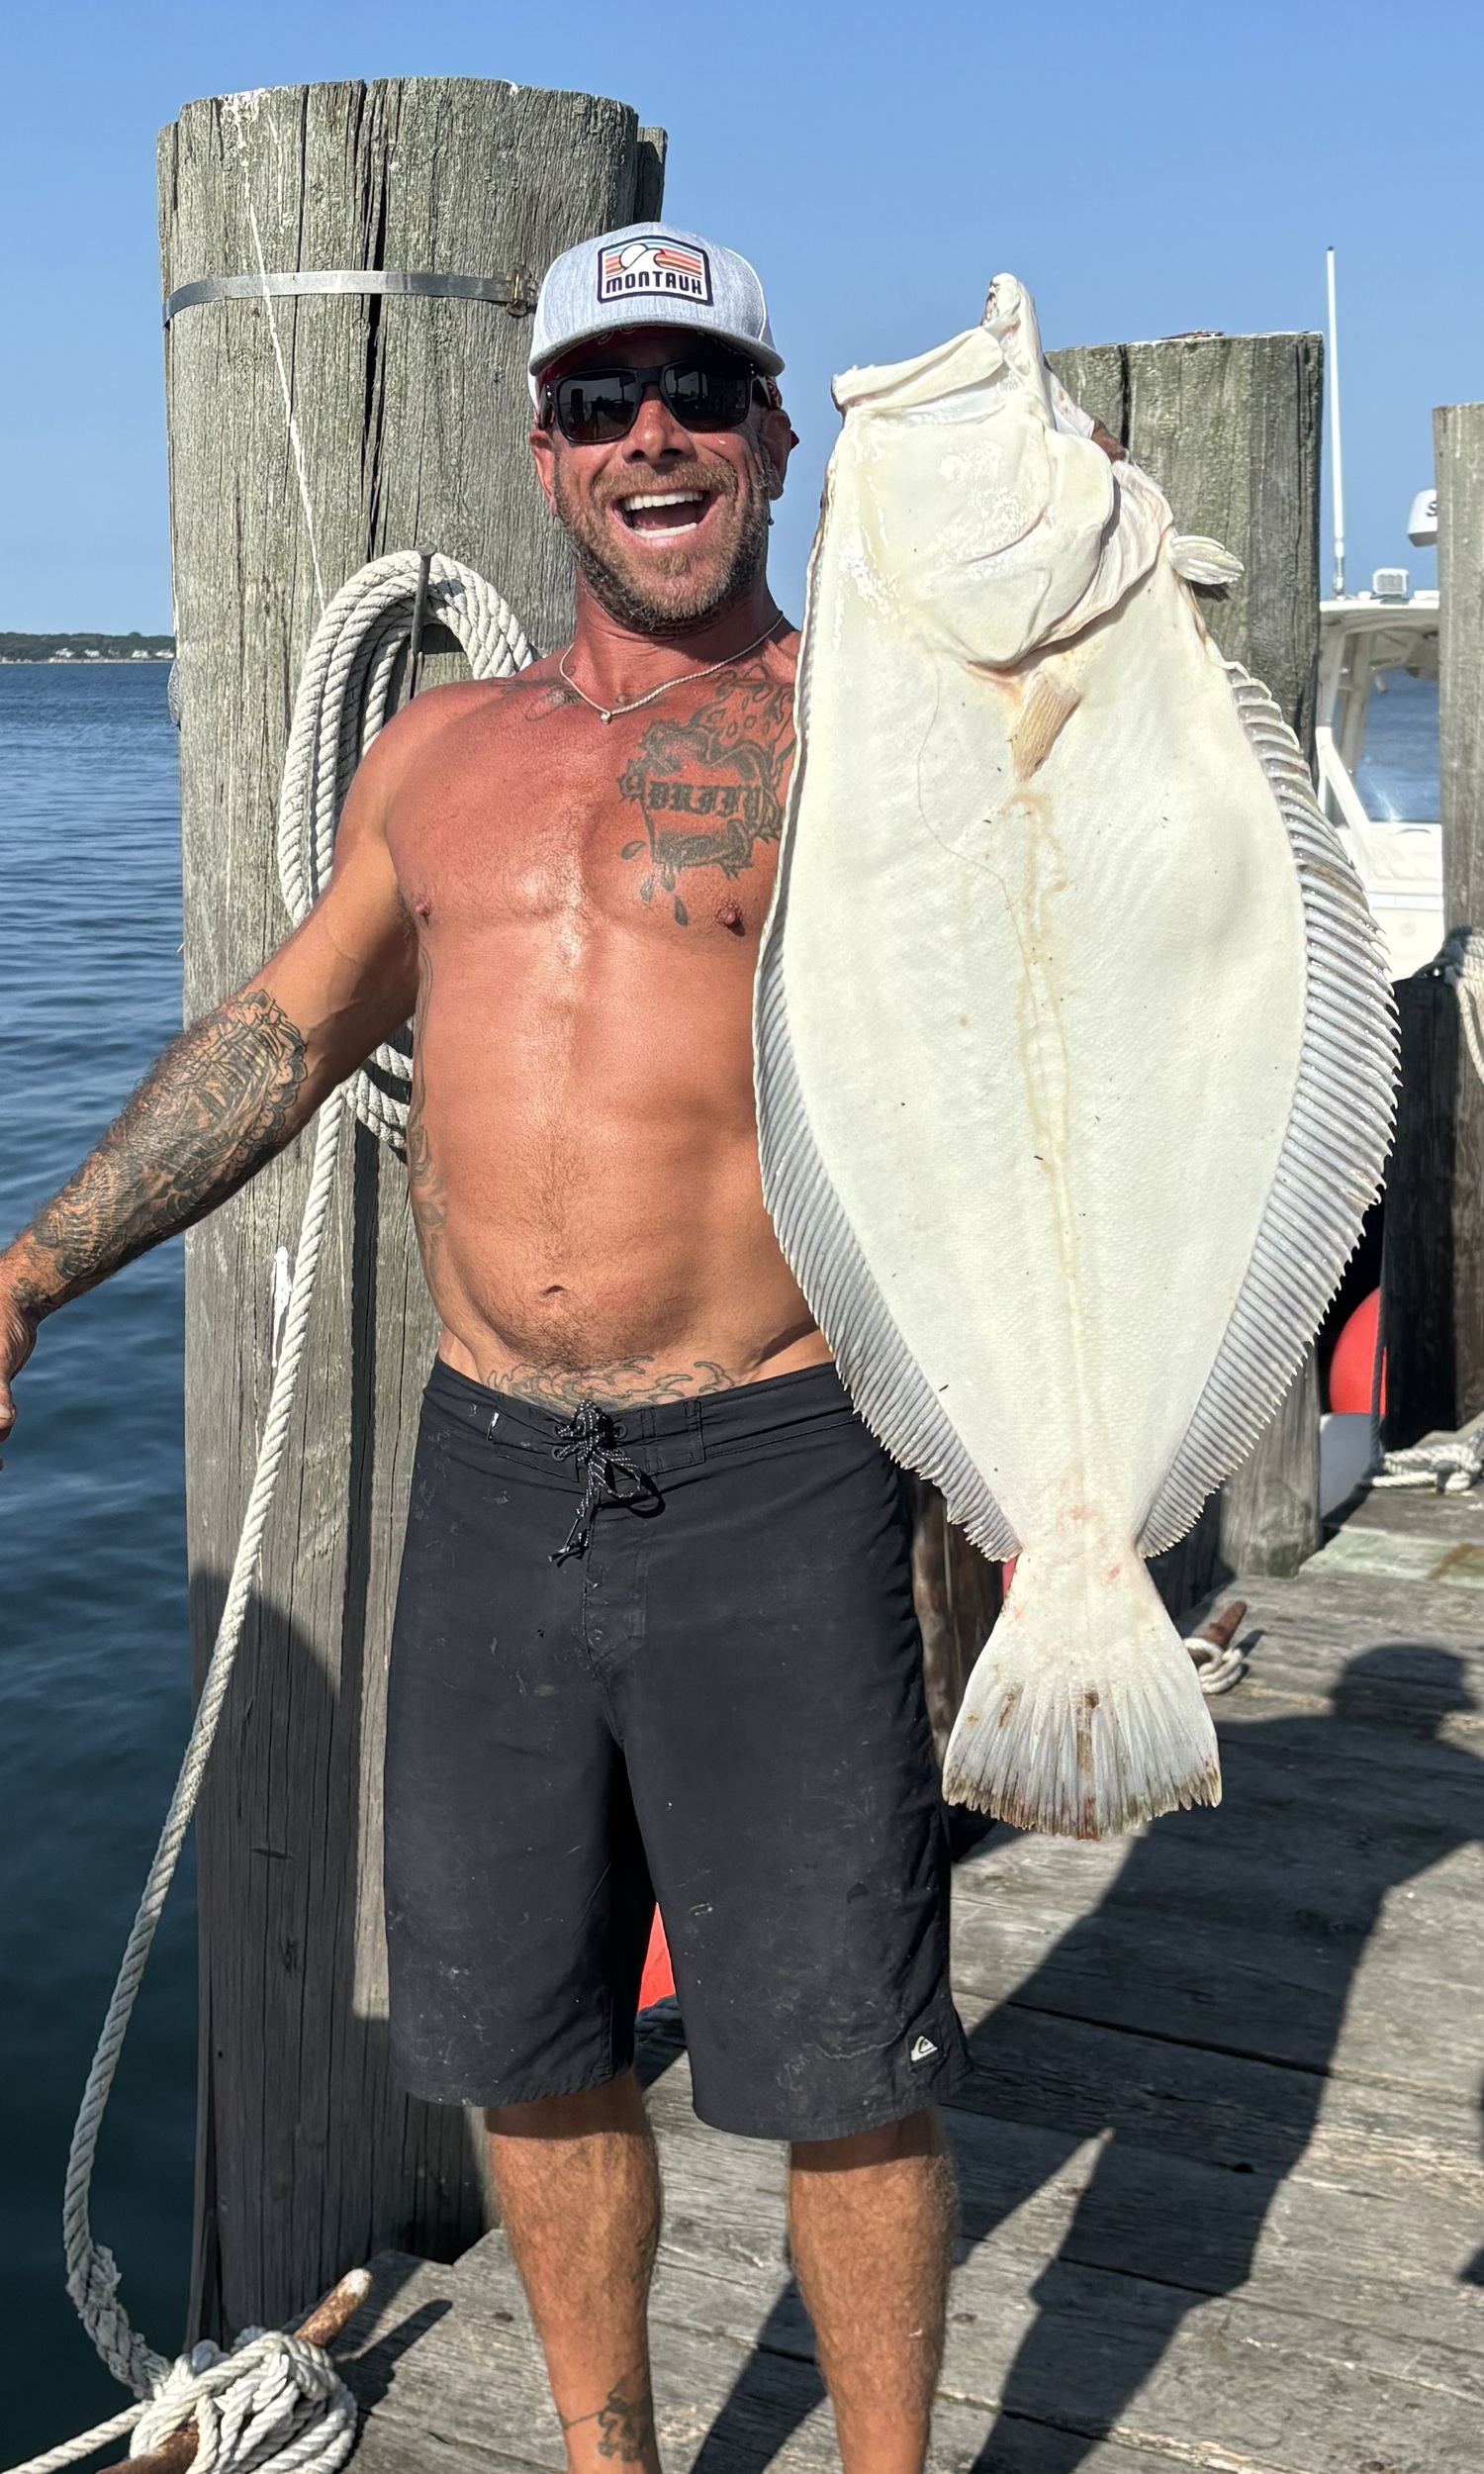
{"points": [[650, 275]]}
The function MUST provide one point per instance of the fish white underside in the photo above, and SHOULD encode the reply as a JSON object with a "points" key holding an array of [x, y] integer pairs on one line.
{"points": [[1075, 1049]]}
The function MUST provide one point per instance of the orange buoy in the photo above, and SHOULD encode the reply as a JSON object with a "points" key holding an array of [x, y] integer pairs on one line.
{"points": [[1353, 1366]]}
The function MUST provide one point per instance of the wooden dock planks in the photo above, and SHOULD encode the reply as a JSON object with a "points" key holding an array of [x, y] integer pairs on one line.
{"points": [[1222, 2199]]}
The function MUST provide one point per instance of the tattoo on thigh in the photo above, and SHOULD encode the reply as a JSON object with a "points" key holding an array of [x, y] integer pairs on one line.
{"points": [[624, 2420]]}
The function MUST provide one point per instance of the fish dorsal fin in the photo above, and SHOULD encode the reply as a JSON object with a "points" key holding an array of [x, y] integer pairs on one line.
{"points": [[1332, 1153], [1200, 560]]}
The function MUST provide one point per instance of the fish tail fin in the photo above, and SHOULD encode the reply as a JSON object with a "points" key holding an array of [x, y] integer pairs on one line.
{"points": [[1084, 1713]]}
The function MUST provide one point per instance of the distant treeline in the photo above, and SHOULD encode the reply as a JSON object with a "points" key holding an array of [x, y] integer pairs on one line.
{"points": [[78, 647]]}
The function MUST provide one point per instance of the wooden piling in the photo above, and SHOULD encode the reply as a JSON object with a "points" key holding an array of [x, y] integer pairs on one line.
{"points": [[1229, 426], [307, 435], [1417, 1258], [958, 1594], [1459, 465]]}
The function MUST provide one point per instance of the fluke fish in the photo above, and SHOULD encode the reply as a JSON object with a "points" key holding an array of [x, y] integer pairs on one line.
{"points": [[1075, 1050]]}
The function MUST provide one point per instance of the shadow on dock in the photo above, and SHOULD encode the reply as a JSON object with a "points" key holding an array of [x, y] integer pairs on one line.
{"points": [[1319, 1828]]}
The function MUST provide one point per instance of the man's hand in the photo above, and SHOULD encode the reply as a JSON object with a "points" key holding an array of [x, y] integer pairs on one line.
{"points": [[16, 1339]]}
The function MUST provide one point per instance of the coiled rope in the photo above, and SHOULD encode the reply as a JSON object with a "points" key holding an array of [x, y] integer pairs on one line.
{"points": [[274, 2404], [1461, 964]]}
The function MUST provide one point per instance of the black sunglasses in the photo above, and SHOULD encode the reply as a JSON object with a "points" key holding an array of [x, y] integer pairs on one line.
{"points": [[705, 391]]}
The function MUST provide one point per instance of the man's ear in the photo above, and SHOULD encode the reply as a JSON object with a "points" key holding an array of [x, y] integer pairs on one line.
{"points": [[543, 456], [778, 441]]}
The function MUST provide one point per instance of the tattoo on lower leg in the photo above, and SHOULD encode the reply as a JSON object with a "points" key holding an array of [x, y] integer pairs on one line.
{"points": [[624, 2420]]}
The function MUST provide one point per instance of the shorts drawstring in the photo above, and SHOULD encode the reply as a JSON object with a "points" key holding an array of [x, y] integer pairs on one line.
{"points": [[590, 1438]]}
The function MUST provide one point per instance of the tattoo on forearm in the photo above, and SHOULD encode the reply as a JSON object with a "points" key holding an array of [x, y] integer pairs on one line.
{"points": [[624, 2419], [224, 1096], [616, 1382]]}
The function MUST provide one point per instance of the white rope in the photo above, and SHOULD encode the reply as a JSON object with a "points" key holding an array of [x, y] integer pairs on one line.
{"points": [[274, 2402], [71, 2450], [1438, 1465], [341, 706], [1461, 964], [1219, 1670]]}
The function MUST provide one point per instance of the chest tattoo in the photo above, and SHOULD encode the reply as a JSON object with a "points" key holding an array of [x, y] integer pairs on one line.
{"points": [[555, 695], [708, 789]]}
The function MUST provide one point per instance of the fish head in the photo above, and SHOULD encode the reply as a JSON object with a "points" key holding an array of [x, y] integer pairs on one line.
{"points": [[981, 514]]}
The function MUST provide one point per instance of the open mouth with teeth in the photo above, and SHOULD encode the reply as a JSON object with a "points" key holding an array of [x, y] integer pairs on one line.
{"points": [[663, 511]]}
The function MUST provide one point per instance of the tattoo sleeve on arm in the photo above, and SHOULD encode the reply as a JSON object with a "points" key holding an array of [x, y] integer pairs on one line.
{"points": [[224, 1096]]}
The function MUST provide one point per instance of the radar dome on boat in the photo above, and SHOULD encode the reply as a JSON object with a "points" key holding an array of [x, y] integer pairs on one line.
{"points": [[1421, 524]]}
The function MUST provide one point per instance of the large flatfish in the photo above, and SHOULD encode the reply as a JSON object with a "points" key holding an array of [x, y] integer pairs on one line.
{"points": [[1074, 1043]]}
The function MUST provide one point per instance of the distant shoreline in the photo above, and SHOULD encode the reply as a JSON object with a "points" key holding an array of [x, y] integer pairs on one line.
{"points": [[90, 661], [61, 646]]}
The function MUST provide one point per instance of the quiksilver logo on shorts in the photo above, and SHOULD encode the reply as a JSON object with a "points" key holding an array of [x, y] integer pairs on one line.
{"points": [[923, 2050], [673, 268]]}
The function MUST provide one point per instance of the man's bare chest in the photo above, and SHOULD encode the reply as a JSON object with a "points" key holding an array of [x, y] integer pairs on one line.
{"points": [[670, 815]]}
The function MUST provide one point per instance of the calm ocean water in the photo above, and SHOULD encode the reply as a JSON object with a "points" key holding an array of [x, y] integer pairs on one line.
{"points": [[1397, 776], [93, 1648], [93, 1651]]}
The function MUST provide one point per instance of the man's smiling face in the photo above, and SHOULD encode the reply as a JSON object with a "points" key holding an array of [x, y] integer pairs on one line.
{"points": [[669, 525]]}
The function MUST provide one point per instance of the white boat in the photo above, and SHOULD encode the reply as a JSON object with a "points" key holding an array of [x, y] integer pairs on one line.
{"points": [[1382, 799], [1368, 643]]}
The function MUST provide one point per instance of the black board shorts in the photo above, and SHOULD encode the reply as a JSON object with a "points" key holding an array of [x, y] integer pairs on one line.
{"points": [[714, 1698]]}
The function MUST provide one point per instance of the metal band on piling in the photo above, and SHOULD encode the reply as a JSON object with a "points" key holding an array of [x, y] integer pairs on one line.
{"points": [[419, 621], [515, 292]]}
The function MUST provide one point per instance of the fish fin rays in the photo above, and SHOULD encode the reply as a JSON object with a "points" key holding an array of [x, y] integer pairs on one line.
{"points": [[1333, 1151], [882, 1377], [1200, 560], [1047, 705], [1084, 1713], [885, 1383]]}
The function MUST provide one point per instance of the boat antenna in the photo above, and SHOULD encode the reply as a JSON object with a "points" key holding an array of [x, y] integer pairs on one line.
{"points": [[1335, 451]]}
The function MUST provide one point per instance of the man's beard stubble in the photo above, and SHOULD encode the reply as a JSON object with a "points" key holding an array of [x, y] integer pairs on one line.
{"points": [[623, 597]]}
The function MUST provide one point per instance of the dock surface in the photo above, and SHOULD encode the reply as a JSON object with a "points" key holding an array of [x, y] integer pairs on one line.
{"points": [[1223, 2201]]}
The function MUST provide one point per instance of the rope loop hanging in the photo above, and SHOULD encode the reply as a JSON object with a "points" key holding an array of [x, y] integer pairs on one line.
{"points": [[367, 632], [273, 2405]]}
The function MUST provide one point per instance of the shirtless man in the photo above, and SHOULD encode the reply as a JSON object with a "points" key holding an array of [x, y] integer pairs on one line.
{"points": [[655, 1629]]}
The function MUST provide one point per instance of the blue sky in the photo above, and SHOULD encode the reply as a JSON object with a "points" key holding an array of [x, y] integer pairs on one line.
{"points": [[1144, 167]]}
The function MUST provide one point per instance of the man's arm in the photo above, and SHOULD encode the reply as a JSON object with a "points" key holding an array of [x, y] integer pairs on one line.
{"points": [[230, 1091], [236, 1088]]}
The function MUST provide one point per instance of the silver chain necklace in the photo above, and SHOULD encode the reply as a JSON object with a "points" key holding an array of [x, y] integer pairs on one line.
{"points": [[608, 713]]}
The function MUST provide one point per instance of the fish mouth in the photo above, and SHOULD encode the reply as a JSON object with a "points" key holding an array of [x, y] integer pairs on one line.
{"points": [[662, 512]]}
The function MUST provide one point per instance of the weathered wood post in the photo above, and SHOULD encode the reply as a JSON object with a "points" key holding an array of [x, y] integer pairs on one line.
{"points": [[308, 434], [1458, 464], [958, 1594], [1229, 426], [1417, 1260]]}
